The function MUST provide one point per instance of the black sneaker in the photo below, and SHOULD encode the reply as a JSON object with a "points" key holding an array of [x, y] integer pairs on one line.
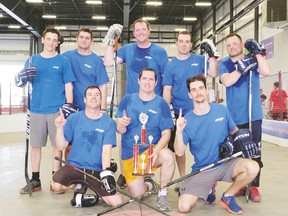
{"points": [[121, 182], [35, 185]]}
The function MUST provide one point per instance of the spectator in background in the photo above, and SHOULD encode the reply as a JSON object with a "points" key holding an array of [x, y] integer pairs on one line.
{"points": [[278, 103]]}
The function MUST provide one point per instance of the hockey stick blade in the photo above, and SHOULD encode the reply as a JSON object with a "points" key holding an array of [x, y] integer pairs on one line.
{"points": [[201, 170], [117, 189]]}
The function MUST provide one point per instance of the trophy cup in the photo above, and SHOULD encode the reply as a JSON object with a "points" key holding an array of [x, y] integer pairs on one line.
{"points": [[144, 167]]}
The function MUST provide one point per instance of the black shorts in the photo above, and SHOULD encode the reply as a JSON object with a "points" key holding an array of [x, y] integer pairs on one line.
{"points": [[67, 175]]}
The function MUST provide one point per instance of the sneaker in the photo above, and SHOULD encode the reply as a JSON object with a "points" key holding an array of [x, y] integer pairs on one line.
{"points": [[35, 185], [212, 195], [163, 204], [121, 182], [241, 192], [153, 186], [255, 195], [177, 187], [230, 204]]}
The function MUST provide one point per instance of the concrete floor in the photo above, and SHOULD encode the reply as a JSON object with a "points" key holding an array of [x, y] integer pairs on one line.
{"points": [[274, 187]]}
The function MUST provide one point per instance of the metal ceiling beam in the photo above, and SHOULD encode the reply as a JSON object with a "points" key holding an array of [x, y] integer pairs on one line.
{"points": [[21, 21]]}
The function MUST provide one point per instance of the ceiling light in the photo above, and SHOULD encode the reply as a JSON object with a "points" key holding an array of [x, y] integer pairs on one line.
{"points": [[49, 16], [149, 18], [93, 2], [190, 18], [154, 3], [60, 27], [203, 3], [99, 17], [180, 29], [102, 28], [14, 26], [34, 1]]}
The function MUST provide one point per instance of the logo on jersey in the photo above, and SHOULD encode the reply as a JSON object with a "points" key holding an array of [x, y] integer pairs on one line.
{"points": [[194, 64], [55, 67], [88, 66], [99, 130], [148, 57], [152, 111], [219, 119]]}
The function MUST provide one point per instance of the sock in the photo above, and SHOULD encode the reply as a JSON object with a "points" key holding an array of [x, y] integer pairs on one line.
{"points": [[36, 176], [162, 193]]}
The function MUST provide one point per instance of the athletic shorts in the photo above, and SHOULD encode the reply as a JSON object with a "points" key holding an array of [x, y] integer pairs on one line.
{"points": [[42, 125], [67, 175], [200, 184], [128, 167]]}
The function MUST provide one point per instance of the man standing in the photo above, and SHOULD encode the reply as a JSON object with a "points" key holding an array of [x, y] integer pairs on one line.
{"points": [[51, 88], [205, 129], [149, 110], [93, 135], [278, 103], [234, 73], [138, 55], [177, 71], [88, 69]]}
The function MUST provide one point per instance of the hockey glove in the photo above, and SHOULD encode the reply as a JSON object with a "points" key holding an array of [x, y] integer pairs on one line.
{"points": [[254, 47], [226, 148], [115, 29], [208, 46], [68, 109], [24, 76], [108, 181], [243, 142], [244, 66], [84, 200], [113, 166], [172, 114]]}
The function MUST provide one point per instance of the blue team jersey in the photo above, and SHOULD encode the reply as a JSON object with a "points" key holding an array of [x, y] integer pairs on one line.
{"points": [[48, 93], [88, 136], [159, 119], [237, 95], [176, 74], [137, 59], [205, 133], [88, 70]]}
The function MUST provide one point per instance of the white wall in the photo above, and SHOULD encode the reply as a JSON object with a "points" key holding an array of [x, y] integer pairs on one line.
{"points": [[12, 123]]}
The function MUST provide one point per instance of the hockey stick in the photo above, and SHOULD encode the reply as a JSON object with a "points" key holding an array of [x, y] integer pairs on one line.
{"points": [[201, 170], [117, 189], [114, 75], [28, 126], [247, 192]]}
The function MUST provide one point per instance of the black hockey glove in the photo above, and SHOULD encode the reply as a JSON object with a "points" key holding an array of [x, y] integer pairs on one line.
{"points": [[226, 148], [24, 76], [108, 182], [245, 65], [84, 200], [113, 166], [243, 142], [209, 47], [254, 47], [68, 109]]}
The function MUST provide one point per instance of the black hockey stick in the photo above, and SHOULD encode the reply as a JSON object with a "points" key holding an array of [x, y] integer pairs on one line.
{"points": [[201, 170], [114, 76], [28, 125], [117, 189]]}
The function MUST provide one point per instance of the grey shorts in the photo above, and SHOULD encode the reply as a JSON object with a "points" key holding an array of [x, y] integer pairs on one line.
{"points": [[42, 125], [200, 184]]}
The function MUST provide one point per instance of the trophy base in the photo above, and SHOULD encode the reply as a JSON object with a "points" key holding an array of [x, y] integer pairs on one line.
{"points": [[140, 174]]}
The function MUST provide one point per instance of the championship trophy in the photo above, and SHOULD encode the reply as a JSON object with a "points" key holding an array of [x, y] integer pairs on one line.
{"points": [[144, 167]]}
